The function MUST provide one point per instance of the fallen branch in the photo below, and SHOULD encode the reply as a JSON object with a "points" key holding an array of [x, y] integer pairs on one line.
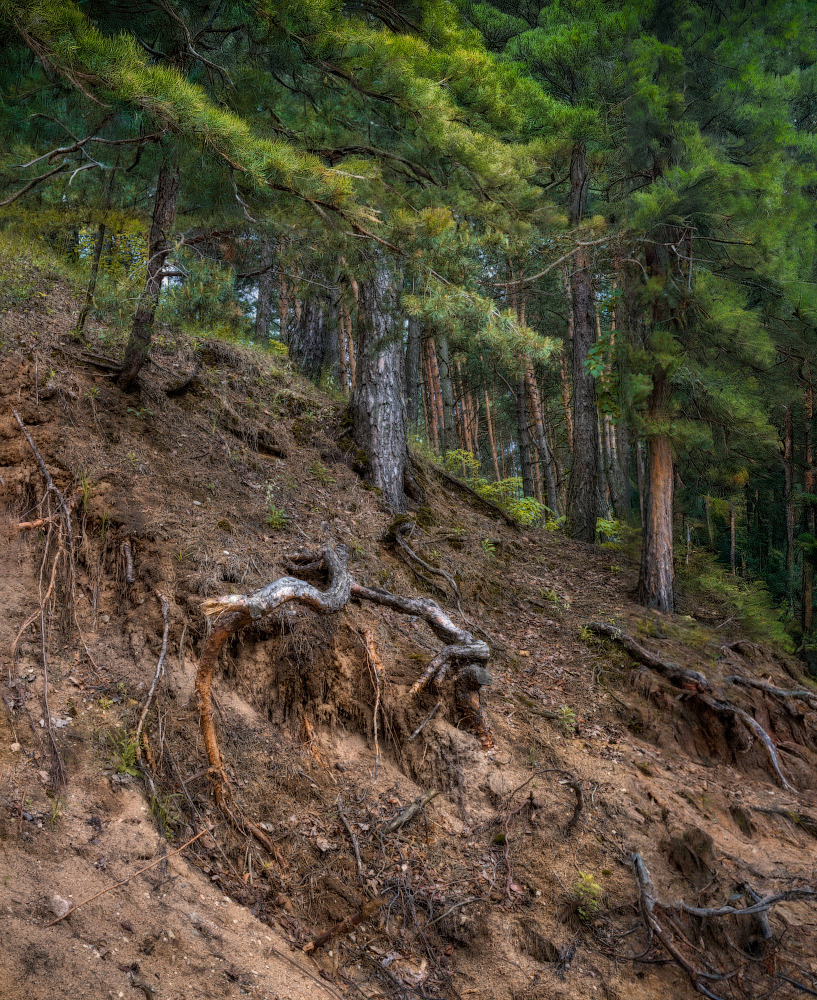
{"points": [[403, 817], [127, 555], [125, 881], [349, 923], [353, 838]]}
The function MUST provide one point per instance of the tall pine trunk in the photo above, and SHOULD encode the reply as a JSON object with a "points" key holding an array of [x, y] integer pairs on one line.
{"points": [[788, 472], [266, 290], [308, 337], [656, 580], [540, 438], [524, 438], [413, 371], [491, 438], [584, 490], [808, 565], [378, 404], [164, 213], [449, 437]]}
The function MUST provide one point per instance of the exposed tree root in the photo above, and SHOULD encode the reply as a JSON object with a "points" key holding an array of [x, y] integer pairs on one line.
{"points": [[232, 612], [803, 820], [758, 908], [156, 676], [798, 694], [703, 689]]}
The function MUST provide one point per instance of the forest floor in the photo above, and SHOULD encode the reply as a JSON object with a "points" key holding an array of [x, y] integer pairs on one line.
{"points": [[488, 892]]}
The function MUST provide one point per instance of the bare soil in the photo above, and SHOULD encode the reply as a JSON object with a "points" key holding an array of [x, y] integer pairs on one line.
{"points": [[486, 894]]}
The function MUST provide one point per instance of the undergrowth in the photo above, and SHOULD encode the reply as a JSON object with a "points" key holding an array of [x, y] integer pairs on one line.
{"points": [[746, 602]]}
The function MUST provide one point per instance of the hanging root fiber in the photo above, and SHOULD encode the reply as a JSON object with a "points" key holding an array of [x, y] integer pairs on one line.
{"points": [[461, 654]]}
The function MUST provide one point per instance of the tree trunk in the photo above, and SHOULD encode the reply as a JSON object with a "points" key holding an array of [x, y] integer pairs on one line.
{"points": [[447, 391], [308, 337], [378, 404], [732, 537], [164, 212], [656, 577], [524, 439], [540, 438], [584, 490], [491, 438], [89, 291], [413, 371], [788, 471], [266, 290], [432, 427], [808, 565]]}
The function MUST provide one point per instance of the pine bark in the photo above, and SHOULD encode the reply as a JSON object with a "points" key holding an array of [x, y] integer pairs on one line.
{"points": [[656, 581], [449, 436], [308, 337], [540, 438], [491, 438], [413, 371], [788, 472], [524, 438], [266, 290], [378, 405], [164, 214], [584, 504]]}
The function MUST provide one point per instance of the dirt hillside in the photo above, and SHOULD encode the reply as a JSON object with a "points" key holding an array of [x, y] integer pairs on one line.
{"points": [[518, 880]]}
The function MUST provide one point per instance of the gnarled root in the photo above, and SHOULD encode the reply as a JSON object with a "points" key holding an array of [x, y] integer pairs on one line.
{"points": [[232, 612]]}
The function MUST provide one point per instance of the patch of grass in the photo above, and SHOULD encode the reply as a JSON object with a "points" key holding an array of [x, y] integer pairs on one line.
{"points": [[126, 755], [567, 720], [319, 471]]}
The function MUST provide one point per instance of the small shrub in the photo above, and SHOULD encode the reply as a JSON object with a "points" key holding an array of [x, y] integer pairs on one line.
{"points": [[587, 894]]}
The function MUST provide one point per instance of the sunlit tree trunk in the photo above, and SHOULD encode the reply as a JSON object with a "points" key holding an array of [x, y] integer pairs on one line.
{"points": [[656, 578], [413, 371]]}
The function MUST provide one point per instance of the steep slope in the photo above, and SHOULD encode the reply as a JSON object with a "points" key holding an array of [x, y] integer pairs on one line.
{"points": [[500, 887]]}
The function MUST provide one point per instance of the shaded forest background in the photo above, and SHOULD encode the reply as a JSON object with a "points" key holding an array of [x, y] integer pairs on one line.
{"points": [[565, 249]]}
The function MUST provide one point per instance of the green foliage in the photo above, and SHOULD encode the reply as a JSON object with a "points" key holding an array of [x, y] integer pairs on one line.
{"points": [[567, 720], [126, 755], [747, 602], [587, 895]]}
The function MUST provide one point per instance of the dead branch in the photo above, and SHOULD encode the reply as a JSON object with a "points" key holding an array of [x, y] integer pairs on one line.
{"points": [[156, 676], [125, 881], [349, 923], [403, 817], [353, 838], [58, 774]]}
